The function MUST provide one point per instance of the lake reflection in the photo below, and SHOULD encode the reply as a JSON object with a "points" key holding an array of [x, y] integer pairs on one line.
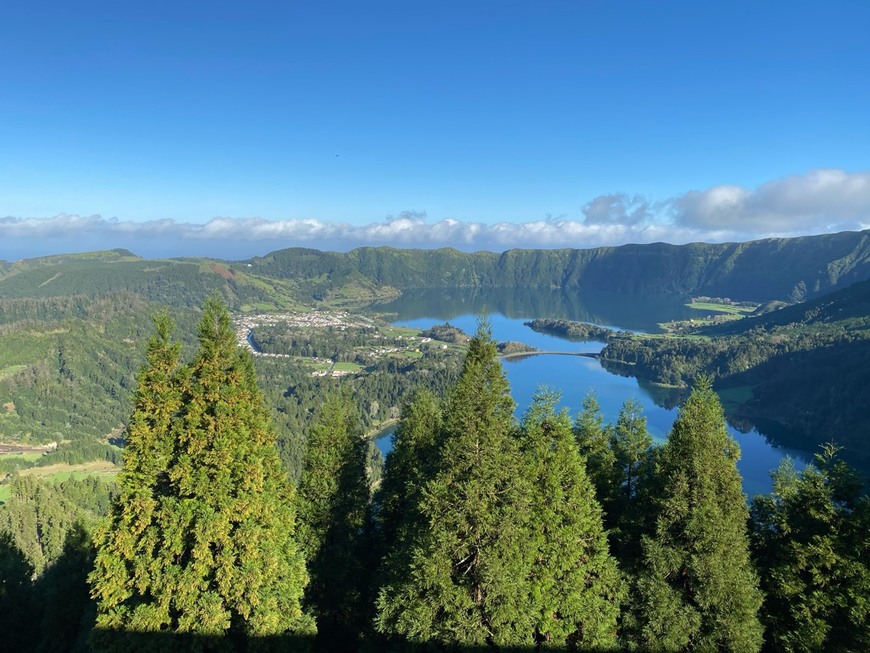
{"points": [[575, 376], [634, 312]]}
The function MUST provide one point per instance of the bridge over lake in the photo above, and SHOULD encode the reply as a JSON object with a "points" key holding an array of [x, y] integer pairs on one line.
{"points": [[520, 354]]}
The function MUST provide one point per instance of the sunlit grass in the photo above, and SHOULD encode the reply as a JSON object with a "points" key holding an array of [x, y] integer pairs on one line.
{"points": [[722, 308]]}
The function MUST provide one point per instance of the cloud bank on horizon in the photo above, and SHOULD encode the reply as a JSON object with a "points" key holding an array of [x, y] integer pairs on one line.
{"points": [[819, 201]]}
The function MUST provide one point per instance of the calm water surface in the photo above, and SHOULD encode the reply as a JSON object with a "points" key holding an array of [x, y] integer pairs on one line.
{"points": [[575, 376]]}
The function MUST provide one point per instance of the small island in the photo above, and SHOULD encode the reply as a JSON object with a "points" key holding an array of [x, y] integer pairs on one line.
{"points": [[580, 331], [514, 348]]}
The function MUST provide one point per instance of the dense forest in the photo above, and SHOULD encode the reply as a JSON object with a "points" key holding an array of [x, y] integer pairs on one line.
{"points": [[804, 366], [792, 269], [484, 532], [480, 530]]}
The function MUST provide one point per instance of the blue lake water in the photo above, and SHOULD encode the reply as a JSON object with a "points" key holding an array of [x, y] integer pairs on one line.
{"points": [[575, 376]]}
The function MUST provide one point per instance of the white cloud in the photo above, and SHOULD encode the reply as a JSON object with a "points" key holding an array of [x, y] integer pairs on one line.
{"points": [[411, 230], [617, 208], [818, 201]]}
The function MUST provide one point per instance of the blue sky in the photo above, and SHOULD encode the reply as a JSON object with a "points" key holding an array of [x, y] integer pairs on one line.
{"points": [[234, 128]]}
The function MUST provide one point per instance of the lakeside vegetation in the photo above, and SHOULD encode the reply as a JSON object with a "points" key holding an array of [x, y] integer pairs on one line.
{"points": [[484, 531], [804, 366], [67, 374], [52, 389]]}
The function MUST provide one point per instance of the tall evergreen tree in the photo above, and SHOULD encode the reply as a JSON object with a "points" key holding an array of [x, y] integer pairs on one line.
{"points": [[333, 505], [811, 537], [408, 467], [594, 441], [201, 539], [468, 563], [574, 584], [630, 443], [697, 589]]}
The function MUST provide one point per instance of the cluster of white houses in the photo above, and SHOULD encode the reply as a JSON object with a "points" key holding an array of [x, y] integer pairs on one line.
{"points": [[314, 319]]}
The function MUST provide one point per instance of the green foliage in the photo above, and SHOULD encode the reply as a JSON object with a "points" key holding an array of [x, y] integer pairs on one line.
{"points": [[75, 453], [409, 465], [811, 537], [76, 373], [201, 539], [570, 330], [38, 517], [465, 562], [493, 534], [397, 504], [594, 443], [760, 270], [697, 589], [333, 504], [630, 442], [574, 585], [294, 395], [177, 283], [806, 367], [618, 461]]}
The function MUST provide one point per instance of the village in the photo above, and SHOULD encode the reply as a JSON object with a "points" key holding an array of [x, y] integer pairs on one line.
{"points": [[341, 320]]}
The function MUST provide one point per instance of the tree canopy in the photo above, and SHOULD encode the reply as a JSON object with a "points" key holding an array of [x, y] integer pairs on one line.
{"points": [[697, 589], [202, 537]]}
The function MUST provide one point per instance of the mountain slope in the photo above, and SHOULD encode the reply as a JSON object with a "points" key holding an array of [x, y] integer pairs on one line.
{"points": [[806, 367], [790, 269]]}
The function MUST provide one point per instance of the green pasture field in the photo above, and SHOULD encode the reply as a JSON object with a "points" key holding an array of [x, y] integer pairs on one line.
{"points": [[722, 308]]}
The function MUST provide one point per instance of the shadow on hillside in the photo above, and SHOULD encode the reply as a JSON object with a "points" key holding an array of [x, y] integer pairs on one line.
{"points": [[819, 395], [170, 643], [56, 614]]}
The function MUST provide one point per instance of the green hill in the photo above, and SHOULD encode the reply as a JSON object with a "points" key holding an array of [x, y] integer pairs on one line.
{"points": [[847, 309], [774, 269], [804, 367], [174, 282]]}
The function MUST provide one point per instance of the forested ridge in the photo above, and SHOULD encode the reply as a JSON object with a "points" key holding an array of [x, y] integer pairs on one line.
{"points": [[791, 269], [804, 366], [484, 533]]}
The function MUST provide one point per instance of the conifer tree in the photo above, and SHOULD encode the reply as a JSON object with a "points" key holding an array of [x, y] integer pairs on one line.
{"points": [[201, 540], [697, 589], [464, 583], [630, 443], [574, 584], [408, 467], [811, 537], [333, 505], [594, 441]]}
